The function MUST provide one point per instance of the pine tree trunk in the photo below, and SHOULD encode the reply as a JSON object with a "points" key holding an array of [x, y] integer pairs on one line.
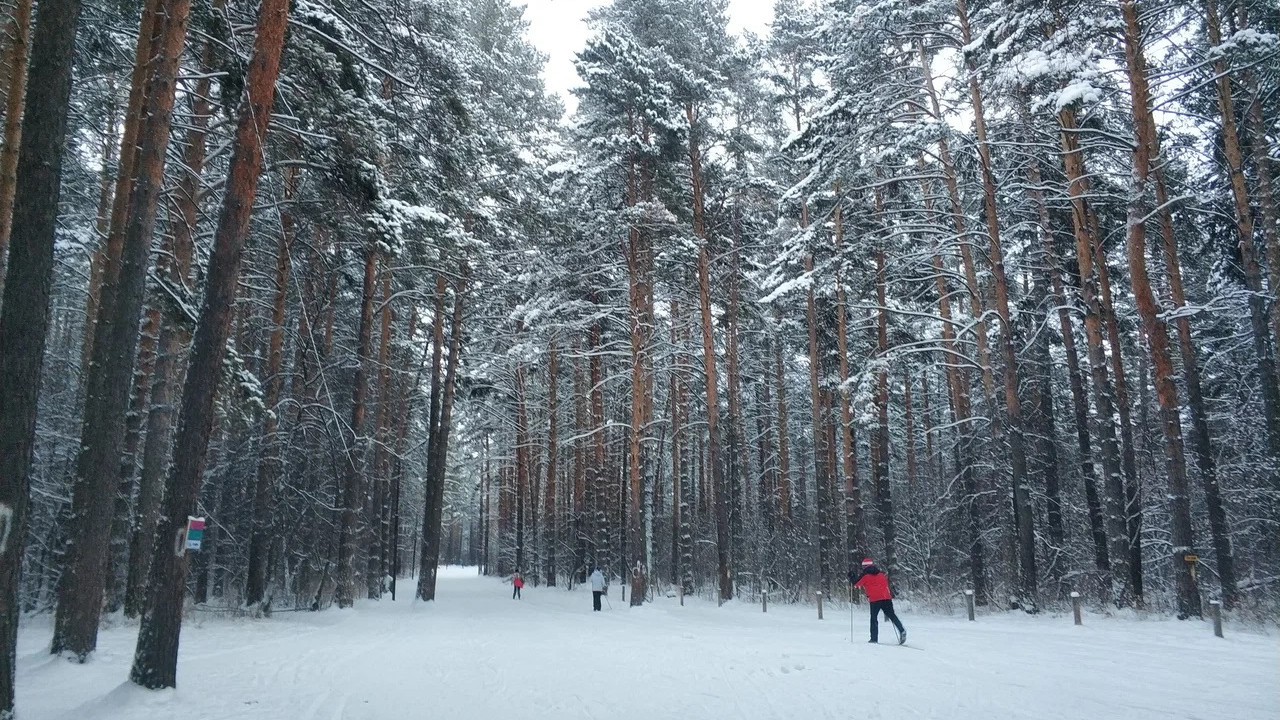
{"points": [[351, 530], [80, 591], [140, 400], [735, 441], [855, 524], [151, 24], [521, 470], [961, 408], [1145, 151], [818, 409], [1128, 450], [957, 215], [102, 226], [597, 481], [437, 454], [721, 502], [156, 659], [377, 519], [24, 314], [552, 518], [784, 435], [1203, 443], [581, 448], [884, 494], [639, 331], [174, 335], [1023, 514], [678, 432], [1118, 579], [15, 95], [1079, 400]]}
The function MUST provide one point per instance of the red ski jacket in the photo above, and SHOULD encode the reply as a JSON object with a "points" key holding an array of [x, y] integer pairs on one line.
{"points": [[875, 583], [518, 582]]}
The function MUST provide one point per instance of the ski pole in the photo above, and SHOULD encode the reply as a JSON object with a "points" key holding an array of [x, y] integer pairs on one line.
{"points": [[606, 599], [851, 614]]}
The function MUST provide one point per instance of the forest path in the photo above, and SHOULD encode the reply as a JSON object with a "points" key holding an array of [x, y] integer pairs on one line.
{"points": [[476, 653]]}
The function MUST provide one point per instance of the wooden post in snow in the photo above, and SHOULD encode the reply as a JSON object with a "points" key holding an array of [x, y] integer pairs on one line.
{"points": [[819, 604], [764, 602], [681, 591], [1215, 609], [1075, 607], [968, 599]]}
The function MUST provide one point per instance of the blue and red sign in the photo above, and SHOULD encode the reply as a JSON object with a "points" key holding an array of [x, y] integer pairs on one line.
{"points": [[195, 532]]}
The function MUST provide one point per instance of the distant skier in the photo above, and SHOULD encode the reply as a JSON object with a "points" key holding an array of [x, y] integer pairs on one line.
{"points": [[517, 582], [876, 584], [598, 588]]}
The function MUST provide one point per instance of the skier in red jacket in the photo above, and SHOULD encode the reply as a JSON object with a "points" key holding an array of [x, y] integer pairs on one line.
{"points": [[876, 584], [517, 582]]}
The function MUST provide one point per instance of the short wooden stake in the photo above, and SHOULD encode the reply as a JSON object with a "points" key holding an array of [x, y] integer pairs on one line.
{"points": [[968, 599], [819, 604], [681, 594], [764, 601], [1215, 609], [1075, 607]]}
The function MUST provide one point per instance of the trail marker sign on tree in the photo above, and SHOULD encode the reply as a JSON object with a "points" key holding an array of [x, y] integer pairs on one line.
{"points": [[195, 532]]}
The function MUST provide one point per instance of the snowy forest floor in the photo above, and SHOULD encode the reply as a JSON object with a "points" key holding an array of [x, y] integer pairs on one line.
{"points": [[475, 653]]}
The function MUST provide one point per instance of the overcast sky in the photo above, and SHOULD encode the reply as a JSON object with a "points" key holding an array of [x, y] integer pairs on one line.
{"points": [[557, 28]]}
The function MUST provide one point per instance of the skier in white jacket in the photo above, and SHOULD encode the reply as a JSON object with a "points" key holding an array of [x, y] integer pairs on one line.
{"points": [[598, 588]]}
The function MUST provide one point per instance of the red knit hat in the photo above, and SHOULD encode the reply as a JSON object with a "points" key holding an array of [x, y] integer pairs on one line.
{"points": [[866, 562]]}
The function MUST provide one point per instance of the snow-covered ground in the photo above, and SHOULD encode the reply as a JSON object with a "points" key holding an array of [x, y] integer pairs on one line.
{"points": [[475, 653]]}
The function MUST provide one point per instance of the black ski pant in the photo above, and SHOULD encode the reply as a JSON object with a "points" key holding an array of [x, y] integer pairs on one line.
{"points": [[887, 607], [595, 599], [515, 593]]}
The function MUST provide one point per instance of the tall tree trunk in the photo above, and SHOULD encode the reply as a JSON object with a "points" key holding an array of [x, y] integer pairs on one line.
{"points": [[957, 215], [721, 502], [737, 455], [640, 322], [1128, 450], [1145, 151], [855, 524], [884, 493], [961, 407], [596, 488], [581, 449], [784, 435], [139, 401], [438, 452], [1023, 514], [521, 469], [408, 392], [1117, 576], [350, 531], [81, 588], [679, 457], [1203, 442], [151, 24], [551, 532], [377, 519], [818, 409], [1079, 400], [271, 454], [175, 333], [24, 314], [155, 662], [110, 143], [16, 66]]}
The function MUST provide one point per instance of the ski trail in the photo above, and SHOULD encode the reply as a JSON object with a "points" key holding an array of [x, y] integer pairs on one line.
{"points": [[477, 654]]}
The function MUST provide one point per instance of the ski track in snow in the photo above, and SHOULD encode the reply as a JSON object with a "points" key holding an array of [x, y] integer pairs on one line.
{"points": [[475, 653]]}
